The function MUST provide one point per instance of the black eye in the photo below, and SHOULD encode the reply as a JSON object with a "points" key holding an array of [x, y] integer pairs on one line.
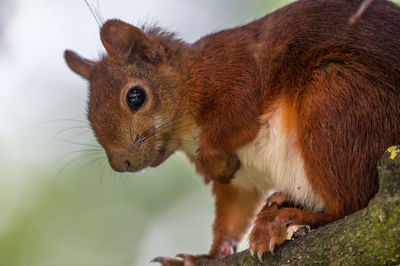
{"points": [[135, 98]]}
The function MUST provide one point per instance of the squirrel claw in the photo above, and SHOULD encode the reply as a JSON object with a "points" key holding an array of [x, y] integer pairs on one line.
{"points": [[185, 260], [272, 247], [158, 259], [268, 231], [259, 255], [252, 250], [185, 257], [168, 261]]}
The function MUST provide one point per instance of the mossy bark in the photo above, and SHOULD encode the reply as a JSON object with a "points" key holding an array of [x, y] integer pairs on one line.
{"points": [[368, 237]]}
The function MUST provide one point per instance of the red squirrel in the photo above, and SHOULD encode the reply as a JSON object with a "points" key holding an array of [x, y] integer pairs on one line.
{"points": [[301, 102]]}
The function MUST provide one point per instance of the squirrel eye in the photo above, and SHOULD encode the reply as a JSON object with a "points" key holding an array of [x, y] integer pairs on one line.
{"points": [[135, 98]]}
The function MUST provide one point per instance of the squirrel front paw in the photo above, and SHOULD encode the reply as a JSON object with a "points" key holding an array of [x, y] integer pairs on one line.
{"points": [[220, 249], [219, 166], [185, 260], [231, 165]]}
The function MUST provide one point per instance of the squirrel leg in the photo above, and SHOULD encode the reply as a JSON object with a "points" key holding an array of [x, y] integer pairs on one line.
{"points": [[272, 223], [235, 210]]}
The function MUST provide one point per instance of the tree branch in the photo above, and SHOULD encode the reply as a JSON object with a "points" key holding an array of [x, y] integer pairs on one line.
{"points": [[370, 236]]}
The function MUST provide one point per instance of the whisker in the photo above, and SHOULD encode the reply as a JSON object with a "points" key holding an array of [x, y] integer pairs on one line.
{"points": [[60, 120], [94, 151], [78, 143], [65, 130], [103, 166], [122, 177], [90, 162], [188, 142], [70, 162], [165, 124], [96, 13], [82, 133], [364, 5], [167, 140], [158, 128], [184, 126], [173, 124]]}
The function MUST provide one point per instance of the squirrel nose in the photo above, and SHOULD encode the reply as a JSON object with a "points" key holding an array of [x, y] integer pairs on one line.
{"points": [[120, 164], [128, 166], [121, 161]]}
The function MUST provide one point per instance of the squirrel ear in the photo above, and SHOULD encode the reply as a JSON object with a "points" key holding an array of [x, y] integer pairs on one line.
{"points": [[79, 65], [121, 39]]}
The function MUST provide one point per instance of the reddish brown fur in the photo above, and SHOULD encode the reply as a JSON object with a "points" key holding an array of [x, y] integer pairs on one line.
{"points": [[338, 83], [235, 210]]}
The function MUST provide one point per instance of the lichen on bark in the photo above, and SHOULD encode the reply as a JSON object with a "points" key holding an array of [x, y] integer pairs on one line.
{"points": [[370, 236]]}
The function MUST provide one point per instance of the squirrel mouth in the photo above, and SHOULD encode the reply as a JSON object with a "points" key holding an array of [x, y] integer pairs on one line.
{"points": [[160, 158]]}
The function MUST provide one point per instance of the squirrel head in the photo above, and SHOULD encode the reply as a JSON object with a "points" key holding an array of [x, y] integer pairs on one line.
{"points": [[137, 105]]}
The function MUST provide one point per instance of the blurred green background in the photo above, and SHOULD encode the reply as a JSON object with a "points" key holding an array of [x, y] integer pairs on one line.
{"points": [[60, 204]]}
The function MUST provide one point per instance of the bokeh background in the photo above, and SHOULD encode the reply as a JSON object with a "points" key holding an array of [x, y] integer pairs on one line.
{"points": [[60, 203]]}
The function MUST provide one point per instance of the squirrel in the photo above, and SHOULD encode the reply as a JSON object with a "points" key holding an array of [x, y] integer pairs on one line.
{"points": [[300, 102]]}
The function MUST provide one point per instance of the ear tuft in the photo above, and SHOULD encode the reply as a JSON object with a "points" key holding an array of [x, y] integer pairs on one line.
{"points": [[79, 65], [121, 39]]}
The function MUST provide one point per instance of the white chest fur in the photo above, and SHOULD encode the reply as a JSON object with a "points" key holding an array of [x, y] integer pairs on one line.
{"points": [[272, 162]]}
